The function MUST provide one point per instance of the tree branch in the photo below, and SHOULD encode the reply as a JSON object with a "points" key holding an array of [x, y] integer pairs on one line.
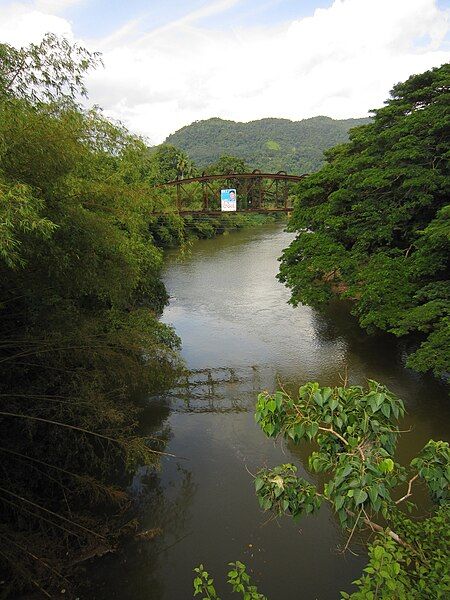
{"points": [[338, 435], [408, 493]]}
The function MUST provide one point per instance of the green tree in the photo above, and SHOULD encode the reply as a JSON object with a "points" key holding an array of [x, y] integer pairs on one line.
{"points": [[227, 164], [373, 223], [80, 295], [355, 430], [48, 71], [172, 163]]}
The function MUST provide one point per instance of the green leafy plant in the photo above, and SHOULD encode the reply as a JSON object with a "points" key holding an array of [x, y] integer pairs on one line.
{"points": [[238, 579], [356, 433]]}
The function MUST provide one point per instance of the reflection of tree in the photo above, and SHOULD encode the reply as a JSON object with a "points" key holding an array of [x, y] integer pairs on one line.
{"points": [[132, 572], [377, 350], [382, 357]]}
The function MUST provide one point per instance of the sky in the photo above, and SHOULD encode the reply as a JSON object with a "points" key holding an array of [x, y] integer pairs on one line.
{"points": [[168, 63]]}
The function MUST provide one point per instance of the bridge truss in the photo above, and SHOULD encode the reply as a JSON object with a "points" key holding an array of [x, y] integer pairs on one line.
{"points": [[256, 192]]}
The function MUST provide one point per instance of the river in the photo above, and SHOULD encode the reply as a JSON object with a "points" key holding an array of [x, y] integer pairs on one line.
{"points": [[239, 337]]}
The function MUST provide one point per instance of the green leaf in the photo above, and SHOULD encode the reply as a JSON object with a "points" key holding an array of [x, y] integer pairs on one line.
{"points": [[272, 405], [333, 403], [318, 399], [386, 410], [360, 496], [373, 494], [339, 502], [259, 482], [314, 429], [386, 465]]}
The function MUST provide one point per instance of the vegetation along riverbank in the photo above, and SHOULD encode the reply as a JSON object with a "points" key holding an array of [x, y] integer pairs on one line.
{"points": [[373, 223], [80, 296]]}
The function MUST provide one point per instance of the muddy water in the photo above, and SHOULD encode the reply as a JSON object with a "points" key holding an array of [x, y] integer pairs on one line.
{"points": [[239, 337]]}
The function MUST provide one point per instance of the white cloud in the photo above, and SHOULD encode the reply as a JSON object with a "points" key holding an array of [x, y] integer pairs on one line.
{"points": [[21, 25], [55, 6], [341, 62]]}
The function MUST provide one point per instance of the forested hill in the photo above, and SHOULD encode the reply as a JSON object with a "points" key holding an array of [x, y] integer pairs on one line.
{"points": [[268, 144]]}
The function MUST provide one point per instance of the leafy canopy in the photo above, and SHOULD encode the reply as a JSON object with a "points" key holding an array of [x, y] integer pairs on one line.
{"points": [[373, 224]]}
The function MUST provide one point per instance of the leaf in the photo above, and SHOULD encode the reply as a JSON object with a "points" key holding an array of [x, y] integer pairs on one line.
{"points": [[326, 393], [333, 403], [272, 406], [269, 428], [386, 465], [373, 494], [318, 399], [339, 502], [359, 496], [386, 410], [379, 399], [299, 429], [314, 429], [259, 482]]}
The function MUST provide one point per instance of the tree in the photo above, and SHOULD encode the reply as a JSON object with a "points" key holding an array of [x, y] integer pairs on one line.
{"points": [[45, 72], [356, 431], [172, 163], [372, 225], [227, 164]]}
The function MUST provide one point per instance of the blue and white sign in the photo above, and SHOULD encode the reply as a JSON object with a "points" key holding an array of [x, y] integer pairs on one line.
{"points": [[228, 200]]}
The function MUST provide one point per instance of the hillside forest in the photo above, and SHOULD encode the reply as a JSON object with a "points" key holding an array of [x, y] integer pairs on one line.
{"points": [[269, 145]]}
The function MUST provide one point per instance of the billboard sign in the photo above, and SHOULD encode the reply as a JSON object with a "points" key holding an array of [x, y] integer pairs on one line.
{"points": [[228, 200]]}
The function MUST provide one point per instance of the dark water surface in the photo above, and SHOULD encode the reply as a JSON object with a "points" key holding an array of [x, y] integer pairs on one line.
{"points": [[239, 335]]}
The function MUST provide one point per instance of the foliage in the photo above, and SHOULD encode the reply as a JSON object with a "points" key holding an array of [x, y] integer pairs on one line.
{"points": [[356, 433], [373, 223], [227, 164], [238, 579], [285, 492], [80, 295], [171, 163], [395, 572], [48, 71], [268, 144]]}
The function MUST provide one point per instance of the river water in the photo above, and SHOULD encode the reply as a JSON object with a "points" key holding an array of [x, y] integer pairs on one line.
{"points": [[239, 337]]}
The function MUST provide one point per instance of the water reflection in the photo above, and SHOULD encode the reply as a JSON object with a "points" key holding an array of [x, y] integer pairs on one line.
{"points": [[134, 572]]}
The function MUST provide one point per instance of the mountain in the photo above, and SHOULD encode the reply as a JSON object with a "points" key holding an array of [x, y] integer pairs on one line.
{"points": [[267, 144]]}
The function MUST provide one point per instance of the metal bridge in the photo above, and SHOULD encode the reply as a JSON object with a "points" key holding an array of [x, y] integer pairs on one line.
{"points": [[256, 192]]}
